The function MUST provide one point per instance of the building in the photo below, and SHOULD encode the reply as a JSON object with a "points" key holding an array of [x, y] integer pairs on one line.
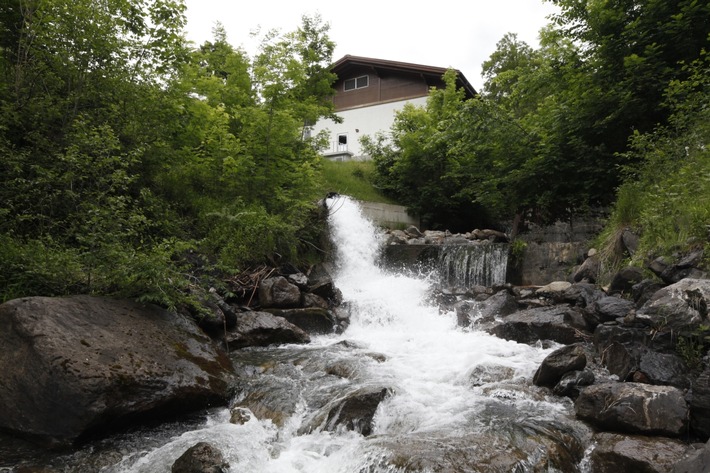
{"points": [[368, 92]]}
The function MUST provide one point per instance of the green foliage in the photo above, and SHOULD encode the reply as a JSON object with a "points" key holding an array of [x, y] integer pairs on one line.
{"points": [[124, 149], [667, 197], [353, 178]]}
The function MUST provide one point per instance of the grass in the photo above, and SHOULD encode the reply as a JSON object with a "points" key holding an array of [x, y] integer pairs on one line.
{"points": [[352, 178]]}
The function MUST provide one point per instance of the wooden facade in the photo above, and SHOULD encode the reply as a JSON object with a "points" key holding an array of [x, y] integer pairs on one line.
{"points": [[387, 81], [368, 94]]}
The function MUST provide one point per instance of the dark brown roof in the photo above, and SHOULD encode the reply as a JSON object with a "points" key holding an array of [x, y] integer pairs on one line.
{"points": [[347, 61]]}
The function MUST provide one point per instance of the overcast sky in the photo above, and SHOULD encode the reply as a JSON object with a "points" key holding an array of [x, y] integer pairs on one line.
{"points": [[459, 34]]}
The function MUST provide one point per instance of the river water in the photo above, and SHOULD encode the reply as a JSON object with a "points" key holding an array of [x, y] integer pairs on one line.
{"points": [[457, 400]]}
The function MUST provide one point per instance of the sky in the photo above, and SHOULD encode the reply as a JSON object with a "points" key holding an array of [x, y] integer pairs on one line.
{"points": [[460, 34]]}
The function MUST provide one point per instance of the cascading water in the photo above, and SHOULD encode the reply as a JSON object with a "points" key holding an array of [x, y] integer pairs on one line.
{"points": [[473, 265], [452, 400]]}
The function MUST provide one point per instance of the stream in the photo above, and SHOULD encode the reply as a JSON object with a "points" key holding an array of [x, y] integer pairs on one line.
{"points": [[450, 399]]}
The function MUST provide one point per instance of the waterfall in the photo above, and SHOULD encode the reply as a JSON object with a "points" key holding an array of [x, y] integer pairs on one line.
{"points": [[463, 266], [458, 399]]}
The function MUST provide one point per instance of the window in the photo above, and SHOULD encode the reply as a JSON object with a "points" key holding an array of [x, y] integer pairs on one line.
{"points": [[356, 83], [342, 142]]}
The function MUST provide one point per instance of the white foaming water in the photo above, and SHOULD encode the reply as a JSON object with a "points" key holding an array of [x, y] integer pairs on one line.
{"points": [[429, 365]]}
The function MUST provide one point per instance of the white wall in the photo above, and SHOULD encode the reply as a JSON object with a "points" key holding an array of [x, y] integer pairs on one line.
{"points": [[362, 121]]}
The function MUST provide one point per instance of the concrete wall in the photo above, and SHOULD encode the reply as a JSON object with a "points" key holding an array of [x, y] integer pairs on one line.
{"points": [[388, 215]]}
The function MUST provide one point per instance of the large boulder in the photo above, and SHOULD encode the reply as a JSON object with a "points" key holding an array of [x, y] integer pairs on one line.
{"points": [[78, 365], [700, 404], [561, 323], [678, 308], [634, 408], [201, 458], [314, 320], [263, 329], [616, 453], [558, 363], [612, 308], [279, 292], [697, 461]]}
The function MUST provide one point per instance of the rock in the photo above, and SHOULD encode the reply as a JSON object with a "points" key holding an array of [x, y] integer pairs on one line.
{"points": [[487, 373], [616, 453], [588, 271], [201, 458], [572, 383], [680, 307], [697, 461], [263, 329], [313, 300], [634, 408], [558, 323], [644, 290], [625, 279], [104, 362], [553, 288], [313, 320], [414, 232], [621, 359], [664, 369], [500, 304], [685, 268], [298, 279], [581, 294], [278, 292], [700, 404], [240, 415], [612, 308], [659, 265], [356, 410], [630, 241], [558, 363]]}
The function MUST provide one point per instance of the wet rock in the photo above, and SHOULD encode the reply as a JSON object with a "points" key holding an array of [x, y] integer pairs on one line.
{"points": [[615, 453], [621, 359], [680, 307], [313, 320], [634, 408], [700, 404], [559, 323], [278, 292], [558, 363], [201, 458], [573, 382], [532, 447], [356, 410], [612, 308], [487, 373], [625, 279], [696, 461], [499, 304], [263, 329], [240, 415], [105, 362]]}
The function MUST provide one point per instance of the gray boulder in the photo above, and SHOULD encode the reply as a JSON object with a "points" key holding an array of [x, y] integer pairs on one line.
{"points": [[612, 308], [680, 307], [201, 458], [625, 279], [313, 320], [263, 329], [700, 404], [634, 408], [558, 363], [74, 366], [697, 461], [560, 323], [616, 453], [279, 292]]}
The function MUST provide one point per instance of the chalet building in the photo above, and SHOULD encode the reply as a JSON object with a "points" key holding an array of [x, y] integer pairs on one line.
{"points": [[368, 92]]}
